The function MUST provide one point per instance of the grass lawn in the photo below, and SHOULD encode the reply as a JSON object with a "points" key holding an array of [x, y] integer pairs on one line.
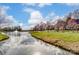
{"points": [[3, 37], [68, 40], [66, 36]]}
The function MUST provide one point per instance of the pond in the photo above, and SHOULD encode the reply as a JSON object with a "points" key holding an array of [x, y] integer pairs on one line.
{"points": [[22, 43]]}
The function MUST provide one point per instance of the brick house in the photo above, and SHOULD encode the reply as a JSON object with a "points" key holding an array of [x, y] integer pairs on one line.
{"points": [[72, 24]]}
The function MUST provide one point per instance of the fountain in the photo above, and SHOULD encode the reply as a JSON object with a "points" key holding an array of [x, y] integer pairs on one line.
{"points": [[17, 33]]}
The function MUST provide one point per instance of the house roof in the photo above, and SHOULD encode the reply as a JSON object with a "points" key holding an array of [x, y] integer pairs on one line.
{"points": [[77, 21]]}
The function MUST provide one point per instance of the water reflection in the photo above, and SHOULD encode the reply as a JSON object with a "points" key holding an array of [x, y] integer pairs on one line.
{"points": [[21, 43]]}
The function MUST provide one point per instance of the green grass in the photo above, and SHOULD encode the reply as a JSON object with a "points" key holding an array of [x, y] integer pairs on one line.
{"points": [[67, 36], [3, 37], [67, 40]]}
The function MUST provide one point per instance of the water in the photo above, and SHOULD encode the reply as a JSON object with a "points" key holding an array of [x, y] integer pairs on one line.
{"points": [[22, 43]]}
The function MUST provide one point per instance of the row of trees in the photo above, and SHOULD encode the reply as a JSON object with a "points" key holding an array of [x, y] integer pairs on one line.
{"points": [[43, 26], [71, 23], [18, 28]]}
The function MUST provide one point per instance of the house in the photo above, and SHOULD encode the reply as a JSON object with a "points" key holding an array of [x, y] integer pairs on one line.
{"points": [[72, 24]]}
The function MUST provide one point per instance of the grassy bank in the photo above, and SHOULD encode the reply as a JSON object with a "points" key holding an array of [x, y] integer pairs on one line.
{"points": [[67, 40], [3, 37]]}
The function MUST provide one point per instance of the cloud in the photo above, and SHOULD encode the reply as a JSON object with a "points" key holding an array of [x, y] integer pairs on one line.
{"points": [[50, 16], [53, 17], [35, 18], [5, 19], [30, 4], [37, 4], [28, 10], [56, 18], [10, 19], [72, 4], [44, 4], [3, 9]]}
